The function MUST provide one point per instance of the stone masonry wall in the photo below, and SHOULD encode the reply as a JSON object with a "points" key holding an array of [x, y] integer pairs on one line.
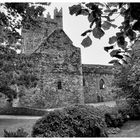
{"points": [[60, 72], [61, 63], [92, 74], [34, 34], [68, 94], [63, 80]]}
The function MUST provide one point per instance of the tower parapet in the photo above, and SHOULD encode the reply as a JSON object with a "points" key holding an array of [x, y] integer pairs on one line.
{"points": [[58, 17]]}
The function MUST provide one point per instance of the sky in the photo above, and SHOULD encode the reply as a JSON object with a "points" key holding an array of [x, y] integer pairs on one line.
{"points": [[74, 26]]}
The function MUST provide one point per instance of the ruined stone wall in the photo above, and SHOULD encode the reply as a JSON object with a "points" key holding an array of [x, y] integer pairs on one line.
{"points": [[61, 64], [33, 34], [60, 73], [92, 75]]}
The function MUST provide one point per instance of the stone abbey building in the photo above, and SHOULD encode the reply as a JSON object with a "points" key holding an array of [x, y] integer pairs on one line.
{"points": [[63, 79]]}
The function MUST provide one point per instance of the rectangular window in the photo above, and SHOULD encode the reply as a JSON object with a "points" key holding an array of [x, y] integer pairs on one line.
{"points": [[59, 85]]}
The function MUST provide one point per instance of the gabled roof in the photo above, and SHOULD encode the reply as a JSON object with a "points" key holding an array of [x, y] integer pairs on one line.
{"points": [[46, 39]]}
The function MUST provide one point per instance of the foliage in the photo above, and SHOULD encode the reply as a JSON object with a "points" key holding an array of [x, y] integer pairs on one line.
{"points": [[16, 15], [74, 121], [124, 109], [32, 98], [21, 111], [126, 78], [19, 133], [129, 108], [13, 71], [112, 130], [113, 117], [101, 17]]}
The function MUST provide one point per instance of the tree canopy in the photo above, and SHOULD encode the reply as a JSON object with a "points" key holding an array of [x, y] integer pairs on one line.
{"points": [[101, 18], [14, 69]]}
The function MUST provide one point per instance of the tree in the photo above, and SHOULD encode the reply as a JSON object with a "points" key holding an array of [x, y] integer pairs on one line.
{"points": [[100, 17], [13, 66], [124, 45], [14, 16]]}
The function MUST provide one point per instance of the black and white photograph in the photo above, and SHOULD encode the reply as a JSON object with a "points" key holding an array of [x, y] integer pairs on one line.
{"points": [[69, 69]]}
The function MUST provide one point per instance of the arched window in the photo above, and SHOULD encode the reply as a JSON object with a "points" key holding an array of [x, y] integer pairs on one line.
{"points": [[59, 85], [102, 84]]}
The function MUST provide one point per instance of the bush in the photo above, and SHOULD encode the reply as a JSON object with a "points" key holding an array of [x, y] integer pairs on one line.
{"points": [[21, 111], [74, 121], [112, 116], [19, 133], [124, 109], [133, 109], [130, 109]]}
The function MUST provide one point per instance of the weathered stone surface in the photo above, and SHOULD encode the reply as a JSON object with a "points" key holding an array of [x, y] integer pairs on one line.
{"points": [[33, 35], [92, 75], [57, 64]]}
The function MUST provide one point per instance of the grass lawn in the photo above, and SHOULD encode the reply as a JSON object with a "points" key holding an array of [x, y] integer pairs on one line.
{"points": [[14, 124], [129, 129]]}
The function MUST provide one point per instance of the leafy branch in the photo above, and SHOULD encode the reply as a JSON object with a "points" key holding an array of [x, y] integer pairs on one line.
{"points": [[100, 19]]}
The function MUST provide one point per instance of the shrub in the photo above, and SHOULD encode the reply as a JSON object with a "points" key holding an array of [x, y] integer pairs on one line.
{"points": [[112, 116], [21, 111], [19, 133], [130, 108], [124, 109], [74, 121], [133, 108]]}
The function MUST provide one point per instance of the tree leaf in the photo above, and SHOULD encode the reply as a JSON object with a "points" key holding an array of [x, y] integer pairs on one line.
{"points": [[108, 48], [88, 31], [74, 9], [112, 40], [92, 6], [120, 40], [136, 26], [115, 52], [123, 46], [131, 34], [115, 62], [112, 12], [98, 32], [84, 12], [113, 25], [106, 25], [86, 42], [118, 56], [92, 16]]}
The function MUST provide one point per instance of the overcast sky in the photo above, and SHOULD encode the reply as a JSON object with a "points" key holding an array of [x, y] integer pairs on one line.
{"points": [[74, 26]]}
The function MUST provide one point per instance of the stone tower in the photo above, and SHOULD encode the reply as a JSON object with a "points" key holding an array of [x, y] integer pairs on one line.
{"points": [[33, 35]]}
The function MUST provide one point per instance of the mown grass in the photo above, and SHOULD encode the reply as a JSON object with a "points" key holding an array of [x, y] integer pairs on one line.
{"points": [[14, 124]]}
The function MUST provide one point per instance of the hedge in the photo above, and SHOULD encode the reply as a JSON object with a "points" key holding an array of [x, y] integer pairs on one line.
{"points": [[74, 121], [22, 111]]}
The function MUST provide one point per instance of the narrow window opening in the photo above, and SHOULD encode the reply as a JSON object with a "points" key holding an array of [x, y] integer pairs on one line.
{"points": [[59, 85], [102, 84], [102, 99], [84, 82], [98, 98]]}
